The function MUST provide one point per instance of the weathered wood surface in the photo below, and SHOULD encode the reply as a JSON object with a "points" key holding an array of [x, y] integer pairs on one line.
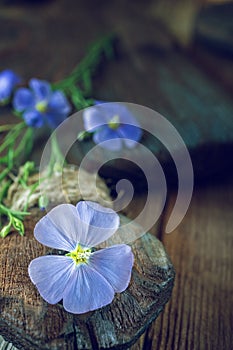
{"points": [[31, 323], [199, 315]]}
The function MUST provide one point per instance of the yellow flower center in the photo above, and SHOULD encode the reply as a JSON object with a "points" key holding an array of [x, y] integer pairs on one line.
{"points": [[41, 106], [114, 122], [80, 255]]}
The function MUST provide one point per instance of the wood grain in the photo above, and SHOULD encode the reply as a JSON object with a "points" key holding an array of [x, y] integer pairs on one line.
{"points": [[199, 315], [30, 323]]}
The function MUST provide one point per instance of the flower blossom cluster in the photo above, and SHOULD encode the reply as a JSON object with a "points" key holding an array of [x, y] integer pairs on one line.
{"points": [[38, 104], [112, 125]]}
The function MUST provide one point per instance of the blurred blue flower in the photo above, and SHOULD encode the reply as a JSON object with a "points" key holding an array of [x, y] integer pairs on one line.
{"points": [[113, 125], [8, 80], [84, 279], [40, 105]]}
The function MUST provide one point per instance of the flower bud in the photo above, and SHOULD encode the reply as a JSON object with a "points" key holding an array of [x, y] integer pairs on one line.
{"points": [[43, 202], [5, 230], [18, 225]]}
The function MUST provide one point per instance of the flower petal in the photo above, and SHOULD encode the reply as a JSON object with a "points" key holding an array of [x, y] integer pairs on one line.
{"points": [[54, 119], [111, 109], [130, 133], [126, 117], [58, 109], [41, 89], [97, 223], [107, 110], [51, 274], [87, 290], [33, 118], [93, 118], [108, 139], [60, 228], [97, 117], [8, 80], [9, 76], [59, 103], [114, 264], [23, 99]]}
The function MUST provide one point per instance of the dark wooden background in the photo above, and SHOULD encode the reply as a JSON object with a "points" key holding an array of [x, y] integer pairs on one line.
{"points": [[46, 39]]}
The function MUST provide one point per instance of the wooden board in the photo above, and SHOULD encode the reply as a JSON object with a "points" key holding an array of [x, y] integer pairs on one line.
{"points": [[199, 315], [31, 323]]}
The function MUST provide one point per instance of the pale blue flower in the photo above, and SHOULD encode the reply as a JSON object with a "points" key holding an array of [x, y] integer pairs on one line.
{"points": [[40, 105], [8, 80], [85, 279], [113, 125]]}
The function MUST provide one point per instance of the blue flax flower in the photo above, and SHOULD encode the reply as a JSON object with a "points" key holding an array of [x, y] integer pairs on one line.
{"points": [[85, 279], [8, 80], [113, 125], [40, 105]]}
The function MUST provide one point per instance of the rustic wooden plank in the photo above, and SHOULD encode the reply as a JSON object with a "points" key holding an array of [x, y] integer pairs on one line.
{"points": [[31, 323], [199, 315]]}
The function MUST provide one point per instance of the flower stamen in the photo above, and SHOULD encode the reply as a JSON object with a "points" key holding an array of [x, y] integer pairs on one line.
{"points": [[80, 255], [41, 106], [114, 123]]}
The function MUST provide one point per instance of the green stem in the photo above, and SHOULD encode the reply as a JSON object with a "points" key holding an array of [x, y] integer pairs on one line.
{"points": [[10, 162], [56, 149], [77, 98], [32, 189], [17, 127], [4, 189], [84, 70], [6, 211], [56, 158], [6, 127], [4, 173], [25, 144], [12, 136], [12, 154]]}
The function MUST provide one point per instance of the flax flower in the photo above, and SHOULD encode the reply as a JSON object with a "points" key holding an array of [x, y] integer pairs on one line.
{"points": [[84, 278], [40, 105], [113, 125]]}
